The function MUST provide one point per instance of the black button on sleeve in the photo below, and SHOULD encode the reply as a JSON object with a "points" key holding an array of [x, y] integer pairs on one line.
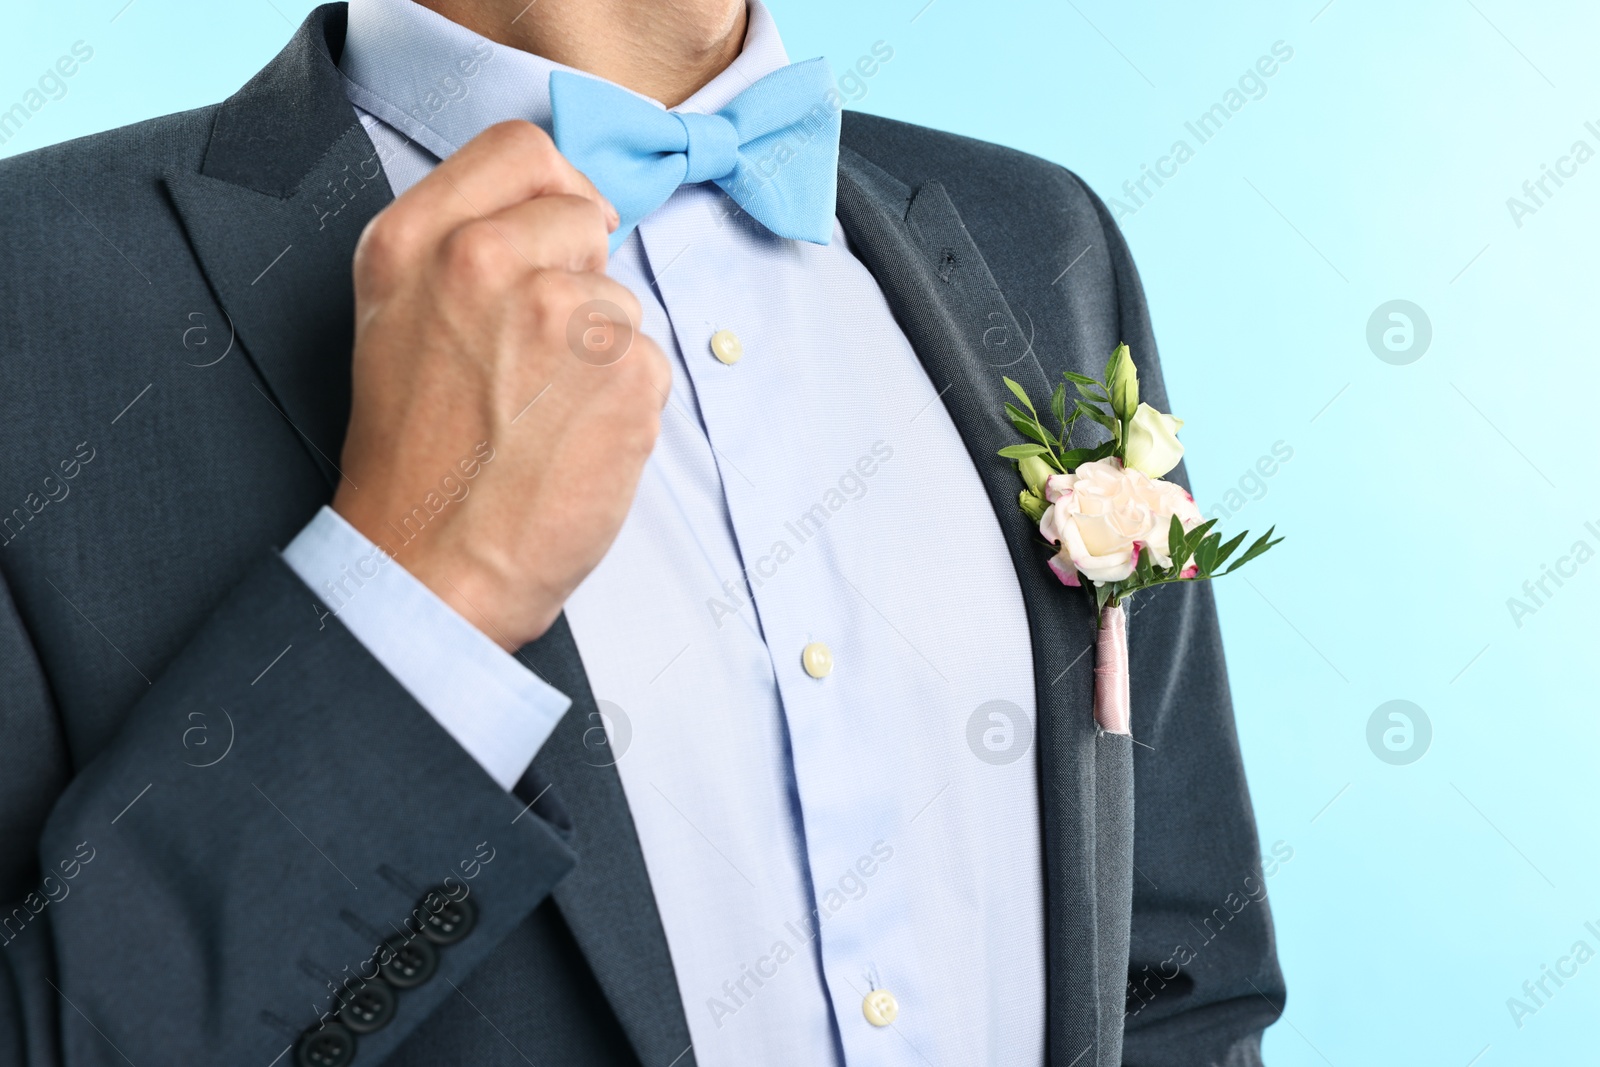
{"points": [[369, 1008], [330, 1045], [409, 962], [446, 921]]}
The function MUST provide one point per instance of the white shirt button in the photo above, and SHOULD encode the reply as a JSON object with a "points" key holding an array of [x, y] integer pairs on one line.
{"points": [[880, 1007], [727, 347], [817, 659]]}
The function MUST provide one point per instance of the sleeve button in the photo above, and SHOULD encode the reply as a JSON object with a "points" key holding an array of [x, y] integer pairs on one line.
{"points": [[330, 1045], [446, 921], [369, 1009], [411, 961]]}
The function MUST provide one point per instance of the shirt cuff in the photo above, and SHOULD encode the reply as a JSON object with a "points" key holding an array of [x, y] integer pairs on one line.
{"points": [[497, 709]]}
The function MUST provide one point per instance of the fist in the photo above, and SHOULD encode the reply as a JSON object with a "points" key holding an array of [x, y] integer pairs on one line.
{"points": [[487, 342]]}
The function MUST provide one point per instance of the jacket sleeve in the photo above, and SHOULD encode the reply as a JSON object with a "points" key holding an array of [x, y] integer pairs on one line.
{"points": [[1203, 976], [275, 824], [487, 699]]}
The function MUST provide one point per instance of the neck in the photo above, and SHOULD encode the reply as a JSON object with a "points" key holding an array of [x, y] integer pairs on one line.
{"points": [[664, 50]]}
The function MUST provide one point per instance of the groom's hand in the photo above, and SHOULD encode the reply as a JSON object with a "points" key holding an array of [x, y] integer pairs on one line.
{"points": [[471, 327]]}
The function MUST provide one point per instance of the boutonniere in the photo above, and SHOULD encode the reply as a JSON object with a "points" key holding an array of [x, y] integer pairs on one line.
{"points": [[1117, 527]]}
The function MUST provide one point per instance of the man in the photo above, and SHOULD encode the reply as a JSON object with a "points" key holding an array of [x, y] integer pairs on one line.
{"points": [[657, 668]]}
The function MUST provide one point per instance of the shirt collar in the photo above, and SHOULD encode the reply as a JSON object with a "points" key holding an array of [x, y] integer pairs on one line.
{"points": [[440, 84]]}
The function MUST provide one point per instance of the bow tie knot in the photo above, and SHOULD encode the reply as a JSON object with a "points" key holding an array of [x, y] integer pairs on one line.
{"points": [[774, 148], [711, 145]]}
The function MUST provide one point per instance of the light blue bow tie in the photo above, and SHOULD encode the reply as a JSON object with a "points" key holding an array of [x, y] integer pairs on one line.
{"points": [[774, 149]]}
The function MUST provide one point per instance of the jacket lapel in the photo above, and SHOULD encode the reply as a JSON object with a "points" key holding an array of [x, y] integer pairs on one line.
{"points": [[945, 299], [288, 182]]}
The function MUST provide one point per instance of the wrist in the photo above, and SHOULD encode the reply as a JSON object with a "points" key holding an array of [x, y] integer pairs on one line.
{"points": [[486, 594], [482, 595]]}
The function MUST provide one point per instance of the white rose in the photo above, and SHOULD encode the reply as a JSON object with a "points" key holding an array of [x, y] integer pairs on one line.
{"points": [[1165, 499], [1100, 517], [1104, 515], [1152, 446]]}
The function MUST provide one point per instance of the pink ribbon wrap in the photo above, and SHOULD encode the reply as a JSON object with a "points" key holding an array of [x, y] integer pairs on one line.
{"points": [[1112, 709]]}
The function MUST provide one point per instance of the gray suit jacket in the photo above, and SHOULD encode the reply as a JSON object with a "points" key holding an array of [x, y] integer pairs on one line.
{"points": [[214, 804]]}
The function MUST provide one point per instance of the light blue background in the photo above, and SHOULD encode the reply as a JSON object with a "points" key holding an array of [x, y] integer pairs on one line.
{"points": [[1419, 497]]}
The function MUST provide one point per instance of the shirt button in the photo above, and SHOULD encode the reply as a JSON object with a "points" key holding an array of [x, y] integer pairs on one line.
{"points": [[880, 1007], [817, 660], [726, 346]]}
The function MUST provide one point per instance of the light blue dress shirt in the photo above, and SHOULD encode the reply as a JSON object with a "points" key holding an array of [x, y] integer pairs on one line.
{"points": [[811, 842]]}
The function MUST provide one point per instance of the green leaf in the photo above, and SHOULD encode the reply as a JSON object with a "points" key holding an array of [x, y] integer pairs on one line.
{"points": [[1261, 544], [1058, 405], [1102, 593], [1076, 456], [1015, 414], [1078, 379], [1196, 535], [1027, 428], [1098, 415], [1206, 555], [1111, 365], [1177, 544], [1096, 394], [1020, 393], [1227, 550], [1030, 426], [1144, 570], [1024, 451]]}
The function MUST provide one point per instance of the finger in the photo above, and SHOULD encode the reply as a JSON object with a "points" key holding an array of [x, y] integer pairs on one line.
{"points": [[596, 317], [559, 232], [558, 295], [504, 165]]}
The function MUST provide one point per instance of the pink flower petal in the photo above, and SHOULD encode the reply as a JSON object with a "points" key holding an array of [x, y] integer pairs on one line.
{"points": [[1190, 571], [1066, 572], [1058, 487]]}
